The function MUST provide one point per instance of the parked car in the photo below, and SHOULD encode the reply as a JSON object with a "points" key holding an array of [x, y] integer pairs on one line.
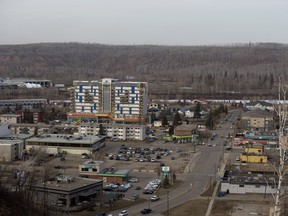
{"points": [[154, 198], [133, 180], [101, 214], [123, 213], [147, 191], [146, 211], [62, 159], [221, 194], [137, 188]]}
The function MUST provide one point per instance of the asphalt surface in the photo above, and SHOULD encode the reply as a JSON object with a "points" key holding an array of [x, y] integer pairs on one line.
{"points": [[200, 172]]}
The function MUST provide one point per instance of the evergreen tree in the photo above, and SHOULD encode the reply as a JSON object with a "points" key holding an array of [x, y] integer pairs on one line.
{"points": [[197, 111], [101, 129], [164, 120], [210, 121], [177, 119], [171, 130]]}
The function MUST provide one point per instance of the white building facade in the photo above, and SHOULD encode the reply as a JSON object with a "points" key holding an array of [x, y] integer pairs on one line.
{"points": [[112, 97], [10, 150], [115, 131]]}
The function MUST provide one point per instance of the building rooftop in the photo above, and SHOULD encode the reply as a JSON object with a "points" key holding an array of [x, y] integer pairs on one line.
{"points": [[90, 162], [251, 174], [257, 114], [115, 172], [189, 127], [67, 183], [9, 142], [65, 138], [10, 115]]}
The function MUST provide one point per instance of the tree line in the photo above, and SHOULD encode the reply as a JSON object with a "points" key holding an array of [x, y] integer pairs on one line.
{"points": [[242, 70]]}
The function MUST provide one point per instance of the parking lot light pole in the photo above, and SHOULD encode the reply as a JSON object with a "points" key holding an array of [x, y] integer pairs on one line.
{"points": [[168, 213]]}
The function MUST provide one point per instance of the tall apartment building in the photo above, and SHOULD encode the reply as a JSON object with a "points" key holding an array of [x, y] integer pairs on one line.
{"points": [[110, 98]]}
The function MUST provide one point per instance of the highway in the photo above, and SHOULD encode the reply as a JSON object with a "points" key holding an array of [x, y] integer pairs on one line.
{"points": [[200, 171]]}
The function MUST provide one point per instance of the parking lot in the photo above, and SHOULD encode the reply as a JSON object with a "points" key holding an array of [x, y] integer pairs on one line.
{"points": [[144, 159]]}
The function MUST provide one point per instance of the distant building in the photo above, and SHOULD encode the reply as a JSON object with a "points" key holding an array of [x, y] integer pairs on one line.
{"points": [[59, 143], [263, 105], [10, 119], [10, 150], [23, 103], [115, 131], [257, 120], [111, 99], [157, 123], [37, 115]]}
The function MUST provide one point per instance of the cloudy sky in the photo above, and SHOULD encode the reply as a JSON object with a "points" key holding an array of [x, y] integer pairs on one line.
{"points": [[156, 22]]}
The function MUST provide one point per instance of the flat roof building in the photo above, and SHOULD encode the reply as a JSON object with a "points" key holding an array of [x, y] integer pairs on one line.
{"points": [[60, 143], [10, 150], [115, 131], [68, 193]]}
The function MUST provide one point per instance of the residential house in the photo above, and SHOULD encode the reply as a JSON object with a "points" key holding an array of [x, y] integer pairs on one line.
{"points": [[263, 105]]}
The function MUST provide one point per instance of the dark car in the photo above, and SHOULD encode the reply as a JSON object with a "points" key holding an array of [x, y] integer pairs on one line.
{"points": [[58, 167], [221, 194], [146, 211], [62, 159], [101, 214], [147, 191]]}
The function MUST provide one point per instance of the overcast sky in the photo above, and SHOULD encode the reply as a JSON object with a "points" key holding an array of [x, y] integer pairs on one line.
{"points": [[154, 22]]}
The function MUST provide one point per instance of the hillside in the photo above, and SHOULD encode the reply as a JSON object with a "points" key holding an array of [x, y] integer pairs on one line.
{"points": [[239, 71]]}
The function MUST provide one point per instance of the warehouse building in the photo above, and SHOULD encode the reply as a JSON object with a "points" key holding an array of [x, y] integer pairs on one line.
{"points": [[65, 143]]}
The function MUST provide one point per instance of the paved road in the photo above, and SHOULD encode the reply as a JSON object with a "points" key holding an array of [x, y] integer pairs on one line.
{"points": [[200, 172]]}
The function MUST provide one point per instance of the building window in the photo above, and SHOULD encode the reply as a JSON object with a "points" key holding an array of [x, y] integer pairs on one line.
{"points": [[241, 185], [85, 169], [257, 186], [94, 170]]}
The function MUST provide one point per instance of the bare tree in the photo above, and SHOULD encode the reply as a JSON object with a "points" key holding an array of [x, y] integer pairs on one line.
{"points": [[282, 113]]}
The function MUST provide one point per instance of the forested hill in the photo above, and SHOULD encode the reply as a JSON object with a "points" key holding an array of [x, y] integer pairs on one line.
{"points": [[172, 71]]}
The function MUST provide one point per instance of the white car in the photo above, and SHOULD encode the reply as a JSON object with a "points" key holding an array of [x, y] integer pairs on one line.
{"points": [[154, 198], [123, 213]]}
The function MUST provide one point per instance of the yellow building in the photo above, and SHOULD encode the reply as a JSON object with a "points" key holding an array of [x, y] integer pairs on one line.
{"points": [[259, 150], [253, 158], [253, 155]]}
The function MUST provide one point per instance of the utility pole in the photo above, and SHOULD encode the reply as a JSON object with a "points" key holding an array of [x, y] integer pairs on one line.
{"points": [[168, 213]]}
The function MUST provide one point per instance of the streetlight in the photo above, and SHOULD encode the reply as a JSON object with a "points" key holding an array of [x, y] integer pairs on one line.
{"points": [[168, 213]]}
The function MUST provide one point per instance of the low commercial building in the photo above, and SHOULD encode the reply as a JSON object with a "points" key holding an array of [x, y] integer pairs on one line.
{"points": [[114, 175], [254, 155], [185, 129], [68, 193], [115, 131], [91, 168], [60, 143], [96, 170], [250, 179], [10, 150], [40, 128]]}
